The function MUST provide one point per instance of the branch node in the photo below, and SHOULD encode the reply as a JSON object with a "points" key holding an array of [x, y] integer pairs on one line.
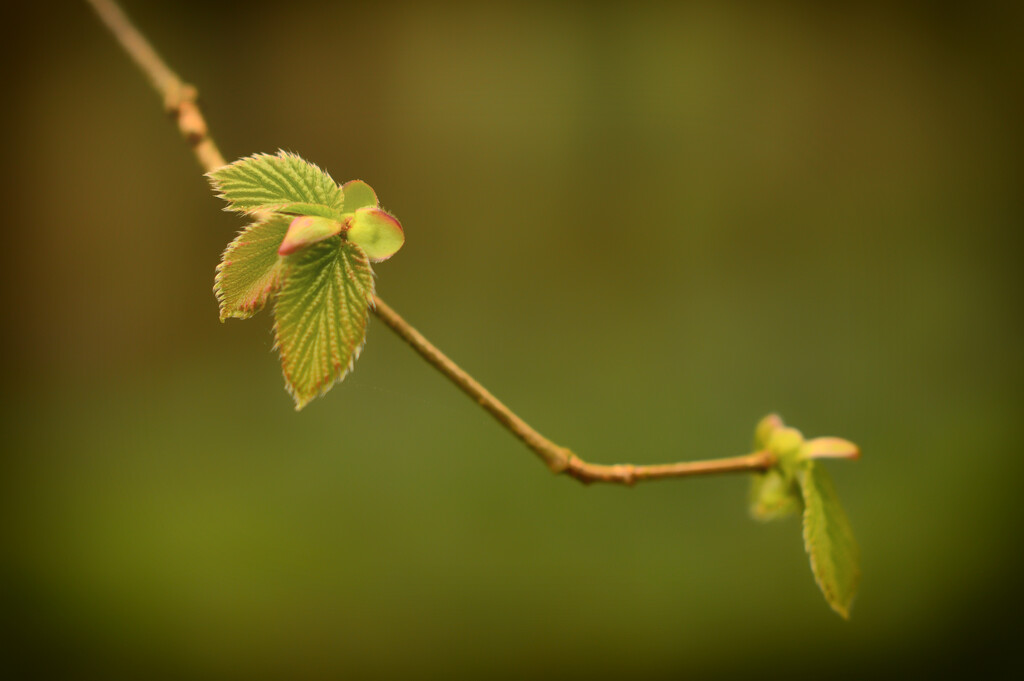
{"points": [[562, 462], [575, 469], [177, 96]]}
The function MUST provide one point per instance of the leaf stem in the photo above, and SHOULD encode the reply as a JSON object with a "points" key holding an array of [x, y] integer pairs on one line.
{"points": [[180, 101]]}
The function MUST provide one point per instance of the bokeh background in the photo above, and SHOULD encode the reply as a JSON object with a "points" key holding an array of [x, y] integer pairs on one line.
{"points": [[642, 227]]}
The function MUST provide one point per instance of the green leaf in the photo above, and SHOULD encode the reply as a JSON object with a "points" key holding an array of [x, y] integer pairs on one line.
{"points": [[321, 314], [250, 268], [829, 448], [358, 195], [379, 234], [828, 538], [281, 183]]}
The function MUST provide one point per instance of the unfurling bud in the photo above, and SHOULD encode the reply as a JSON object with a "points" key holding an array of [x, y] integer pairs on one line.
{"points": [[379, 234], [829, 448], [358, 195], [306, 230]]}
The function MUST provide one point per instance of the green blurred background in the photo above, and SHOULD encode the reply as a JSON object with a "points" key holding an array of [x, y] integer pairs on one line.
{"points": [[643, 228]]}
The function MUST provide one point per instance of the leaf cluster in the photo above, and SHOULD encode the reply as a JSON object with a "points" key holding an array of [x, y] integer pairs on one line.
{"points": [[309, 248], [798, 483]]}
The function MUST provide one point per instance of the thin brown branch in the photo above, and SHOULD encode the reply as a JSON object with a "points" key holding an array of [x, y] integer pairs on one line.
{"points": [[180, 101], [627, 474], [179, 98], [559, 459]]}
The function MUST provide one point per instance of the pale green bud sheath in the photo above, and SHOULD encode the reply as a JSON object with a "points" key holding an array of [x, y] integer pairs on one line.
{"points": [[358, 195], [379, 234]]}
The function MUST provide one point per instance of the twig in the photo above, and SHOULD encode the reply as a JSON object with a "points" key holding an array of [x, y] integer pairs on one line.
{"points": [[180, 101], [179, 97], [559, 459]]}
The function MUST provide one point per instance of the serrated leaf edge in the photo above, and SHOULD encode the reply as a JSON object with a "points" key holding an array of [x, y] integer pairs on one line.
{"points": [[224, 263], [842, 609], [325, 386], [211, 176]]}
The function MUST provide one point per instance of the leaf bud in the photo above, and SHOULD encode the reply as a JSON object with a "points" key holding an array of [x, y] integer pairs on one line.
{"points": [[379, 234], [306, 230]]}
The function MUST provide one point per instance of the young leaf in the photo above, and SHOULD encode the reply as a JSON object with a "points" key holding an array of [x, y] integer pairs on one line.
{"points": [[828, 538], [379, 235], [320, 316], [829, 448], [306, 230], [282, 183], [250, 268], [358, 195]]}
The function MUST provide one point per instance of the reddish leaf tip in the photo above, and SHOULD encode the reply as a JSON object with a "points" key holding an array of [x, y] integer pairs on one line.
{"points": [[306, 230]]}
